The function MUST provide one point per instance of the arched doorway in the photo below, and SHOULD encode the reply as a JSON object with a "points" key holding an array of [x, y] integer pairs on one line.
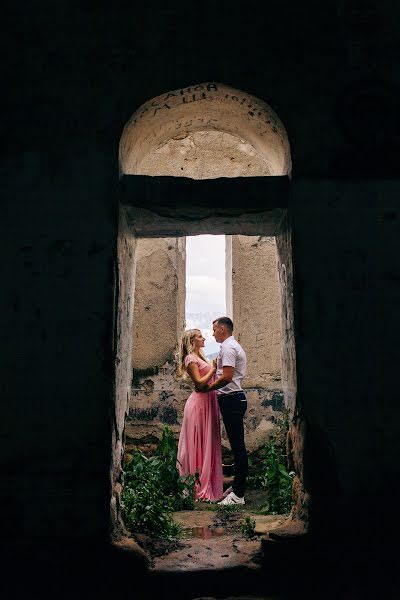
{"points": [[224, 124], [204, 132]]}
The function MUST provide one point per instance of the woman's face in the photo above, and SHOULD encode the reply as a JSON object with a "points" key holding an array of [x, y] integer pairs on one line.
{"points": [[198, 340]]}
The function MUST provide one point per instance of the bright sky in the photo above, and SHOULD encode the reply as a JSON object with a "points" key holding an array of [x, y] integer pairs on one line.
{"points": [[205, 283]]}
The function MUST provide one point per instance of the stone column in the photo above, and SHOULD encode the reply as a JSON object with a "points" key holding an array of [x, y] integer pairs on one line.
{"points": [[253, 303], [159, 312]]}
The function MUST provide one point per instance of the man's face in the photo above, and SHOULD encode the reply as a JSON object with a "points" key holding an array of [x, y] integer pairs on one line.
{"points": [[218, 332]]}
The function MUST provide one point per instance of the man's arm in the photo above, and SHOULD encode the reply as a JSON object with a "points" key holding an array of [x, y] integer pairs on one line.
{"points": [[226, 377]]}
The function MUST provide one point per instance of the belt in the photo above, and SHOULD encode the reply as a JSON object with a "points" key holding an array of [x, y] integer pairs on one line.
{"points": [[222, 394]]}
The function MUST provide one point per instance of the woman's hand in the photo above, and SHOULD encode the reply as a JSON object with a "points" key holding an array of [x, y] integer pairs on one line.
{"points": [[214, 363]]}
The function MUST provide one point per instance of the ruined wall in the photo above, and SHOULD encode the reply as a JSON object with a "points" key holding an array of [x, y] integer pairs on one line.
{"points": [[255, 306], [345, 296], [159, 311], [296, 437], [57, 317], [150, 410], [71, 91], [123, 306]]}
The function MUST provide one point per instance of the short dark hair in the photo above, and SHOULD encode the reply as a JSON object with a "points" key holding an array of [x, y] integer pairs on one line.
{"points": [[224, 321]]}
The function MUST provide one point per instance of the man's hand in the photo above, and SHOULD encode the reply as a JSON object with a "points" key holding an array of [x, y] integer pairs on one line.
{"points": [[201, 387]]}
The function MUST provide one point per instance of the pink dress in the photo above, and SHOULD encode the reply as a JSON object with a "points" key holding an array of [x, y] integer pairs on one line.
{"points": [[199, 448]]}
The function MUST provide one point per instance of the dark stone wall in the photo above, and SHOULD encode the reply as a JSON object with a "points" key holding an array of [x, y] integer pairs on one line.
{"points": [[345, 238], [56, 320], [75, 73]]}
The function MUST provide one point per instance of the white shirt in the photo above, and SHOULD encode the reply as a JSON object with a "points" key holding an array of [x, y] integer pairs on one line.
{"points": [[231, 354]]}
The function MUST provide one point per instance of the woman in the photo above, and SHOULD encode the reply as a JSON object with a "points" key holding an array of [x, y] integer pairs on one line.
{"points": [[199, 448]]}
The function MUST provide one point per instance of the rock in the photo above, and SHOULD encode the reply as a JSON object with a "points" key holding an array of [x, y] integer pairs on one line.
{"points": [[128, 550], [288, 531], [266, 523]]}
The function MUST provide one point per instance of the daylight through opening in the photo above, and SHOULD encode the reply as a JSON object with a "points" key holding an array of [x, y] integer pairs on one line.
{"points": [[205, 286]]}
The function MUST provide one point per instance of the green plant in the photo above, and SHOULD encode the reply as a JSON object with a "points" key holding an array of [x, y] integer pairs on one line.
{"points": [[153, 490], [272, 474], [230, 508], [276, 480], [165, 460], [248, 528]]}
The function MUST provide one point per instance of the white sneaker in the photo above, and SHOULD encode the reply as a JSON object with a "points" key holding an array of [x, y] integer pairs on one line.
{"points": [[231, 498], [227, 491]]}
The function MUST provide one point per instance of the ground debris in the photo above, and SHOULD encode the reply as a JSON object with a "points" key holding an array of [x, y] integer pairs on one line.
{"points": [[230, 521], [157, 547]]}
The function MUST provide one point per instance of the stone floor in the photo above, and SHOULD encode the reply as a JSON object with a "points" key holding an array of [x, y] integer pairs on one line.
{"points": [[213, 559], [212, 538]]}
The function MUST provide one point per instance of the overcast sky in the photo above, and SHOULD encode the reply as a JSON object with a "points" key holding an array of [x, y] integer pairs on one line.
{"points": [[205, 280]]}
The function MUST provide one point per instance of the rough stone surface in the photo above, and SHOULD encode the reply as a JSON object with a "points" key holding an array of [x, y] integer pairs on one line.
{"points": [[216, 538], [288, 349], [159, 312], [144, 222], [133, 552], [148, 412], [224, 552], [224, 124], [287, 530], [205, 155], [125, 283], [253, 302], [267, 523]]}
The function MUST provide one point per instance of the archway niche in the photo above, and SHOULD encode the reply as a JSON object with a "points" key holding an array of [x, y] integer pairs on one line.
{"points": [[206, 131]]}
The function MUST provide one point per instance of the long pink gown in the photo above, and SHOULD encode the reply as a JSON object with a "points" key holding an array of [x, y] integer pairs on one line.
{"points": [[199, 448]]}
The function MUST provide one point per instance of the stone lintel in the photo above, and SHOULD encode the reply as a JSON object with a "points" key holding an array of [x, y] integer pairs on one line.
{"points": [[190, 199]]}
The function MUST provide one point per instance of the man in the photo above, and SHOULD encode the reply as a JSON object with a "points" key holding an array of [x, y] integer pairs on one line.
{"points": [[231, 368]]}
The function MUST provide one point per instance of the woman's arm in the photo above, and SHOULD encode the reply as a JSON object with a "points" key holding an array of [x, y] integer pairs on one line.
{"points": [[224, 379], [194, 374]]}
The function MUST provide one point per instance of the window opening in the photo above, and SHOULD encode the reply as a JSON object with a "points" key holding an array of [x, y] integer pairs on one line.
{"points": [[205, 286]]}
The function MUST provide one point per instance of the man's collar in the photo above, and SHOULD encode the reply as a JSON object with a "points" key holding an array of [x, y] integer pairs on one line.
{"points": [[228, 338]]}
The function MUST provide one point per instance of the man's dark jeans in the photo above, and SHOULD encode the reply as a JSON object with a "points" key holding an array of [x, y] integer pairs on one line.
{"points": [[233, 408]]}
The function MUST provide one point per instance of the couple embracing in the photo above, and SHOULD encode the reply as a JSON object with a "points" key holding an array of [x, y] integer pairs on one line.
{"points": [[217, 389]]}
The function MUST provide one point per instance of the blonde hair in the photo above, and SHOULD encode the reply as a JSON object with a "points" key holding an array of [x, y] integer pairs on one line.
{"points": [[187, 347]]}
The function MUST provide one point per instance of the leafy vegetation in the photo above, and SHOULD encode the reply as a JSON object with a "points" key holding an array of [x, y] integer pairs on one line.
{"points": [[227, 509], [271, 473], [153, 490], [248, 527]]}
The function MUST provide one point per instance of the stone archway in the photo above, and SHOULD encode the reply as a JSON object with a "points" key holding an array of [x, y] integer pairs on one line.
{"points": [[241, 133], [206, 131]]}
